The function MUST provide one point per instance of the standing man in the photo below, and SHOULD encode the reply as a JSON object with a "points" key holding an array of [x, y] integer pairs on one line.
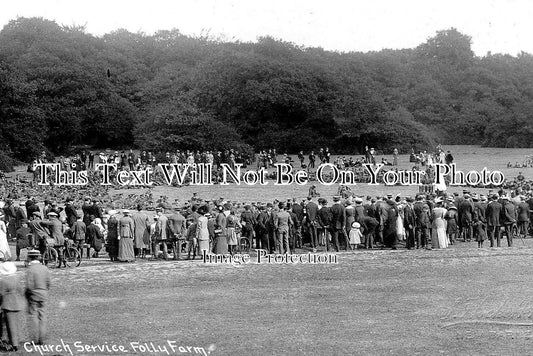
{"points": [[466, 212], [161, 234], [11, 292], [23, 239], [409, 223], [422, 221], [338, 222], [56, 232], [70, 211], [523, 216], [312, 159], [508, 218], [248, 223], [37, 287], [10, 217], [262, 229], [86, 209], [298, 210], [141, 223], [91, 160], [176, 228], [311, 216], [493, 212], [78, 233], [324, 222], [282, 222]]}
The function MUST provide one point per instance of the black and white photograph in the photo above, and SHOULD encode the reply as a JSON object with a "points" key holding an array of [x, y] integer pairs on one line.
{"points": [[232, 177]]}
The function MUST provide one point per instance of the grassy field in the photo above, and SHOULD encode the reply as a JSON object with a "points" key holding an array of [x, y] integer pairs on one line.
{"points": [[462, 300]]}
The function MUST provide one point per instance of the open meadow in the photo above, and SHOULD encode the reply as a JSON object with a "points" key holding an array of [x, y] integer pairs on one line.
{"points": [[459, 301]]}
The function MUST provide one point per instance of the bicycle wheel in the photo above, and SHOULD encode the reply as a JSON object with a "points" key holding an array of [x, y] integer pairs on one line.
{"points": [[50, 258], [71, 257]]}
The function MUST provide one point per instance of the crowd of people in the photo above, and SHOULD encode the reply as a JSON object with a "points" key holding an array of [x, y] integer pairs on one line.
{"points": [[347, 222], [86, 160]]}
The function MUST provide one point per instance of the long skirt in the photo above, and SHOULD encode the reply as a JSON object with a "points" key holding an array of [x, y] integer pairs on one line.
{"points": [[232, 236], [112, 246], [221, 244], [203, 245], [125, 250]]}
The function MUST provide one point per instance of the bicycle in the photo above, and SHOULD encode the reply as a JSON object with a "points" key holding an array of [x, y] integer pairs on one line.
{"points": [[71, 255], [50, 256]]}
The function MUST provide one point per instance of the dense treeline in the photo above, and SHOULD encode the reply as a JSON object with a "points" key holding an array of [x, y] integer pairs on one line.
{"points": [[61, 87]]}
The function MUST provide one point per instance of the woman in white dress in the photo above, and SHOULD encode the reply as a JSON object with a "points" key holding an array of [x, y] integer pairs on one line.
{"points": [[202, 232], [400, 229], [4, 245], [438, 234]]}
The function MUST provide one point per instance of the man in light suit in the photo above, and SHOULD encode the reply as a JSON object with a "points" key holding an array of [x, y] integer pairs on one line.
{"points": [[161, 234], [37, 287]]}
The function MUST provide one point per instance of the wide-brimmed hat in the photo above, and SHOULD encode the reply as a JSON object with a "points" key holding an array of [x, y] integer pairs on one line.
{"points": [[356, 225], [51, 213], [112, 212], [8, 268]]}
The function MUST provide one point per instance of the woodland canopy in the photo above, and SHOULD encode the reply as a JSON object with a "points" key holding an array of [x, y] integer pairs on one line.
{"points": [[61, 88]]}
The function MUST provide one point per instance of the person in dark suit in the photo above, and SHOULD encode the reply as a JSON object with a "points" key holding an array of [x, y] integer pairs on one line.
{"points": [[37, 287], [390, 236], [94, 236], [298, 210], [324, 221], [523, 216], [311, 215], [20, 217], [248, 224], [11, 291], [409, 223], [508, 218], [272, 231], [466, 213], [261, 229], [293, 229], [86, 209], [32, 208], [492, 214], [176, 228], [23, 239], [338, 222], [422, 221], [70, 211], [479, 221]]}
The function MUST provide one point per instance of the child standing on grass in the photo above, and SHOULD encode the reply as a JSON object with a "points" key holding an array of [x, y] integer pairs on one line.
{"points": [[355, 235]]}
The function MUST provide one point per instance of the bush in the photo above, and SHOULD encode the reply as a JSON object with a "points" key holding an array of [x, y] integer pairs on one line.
{"points": [[7, 163]]}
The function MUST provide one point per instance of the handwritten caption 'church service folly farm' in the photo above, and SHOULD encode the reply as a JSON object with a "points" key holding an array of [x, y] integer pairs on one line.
{"points": [[283, 174]]}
